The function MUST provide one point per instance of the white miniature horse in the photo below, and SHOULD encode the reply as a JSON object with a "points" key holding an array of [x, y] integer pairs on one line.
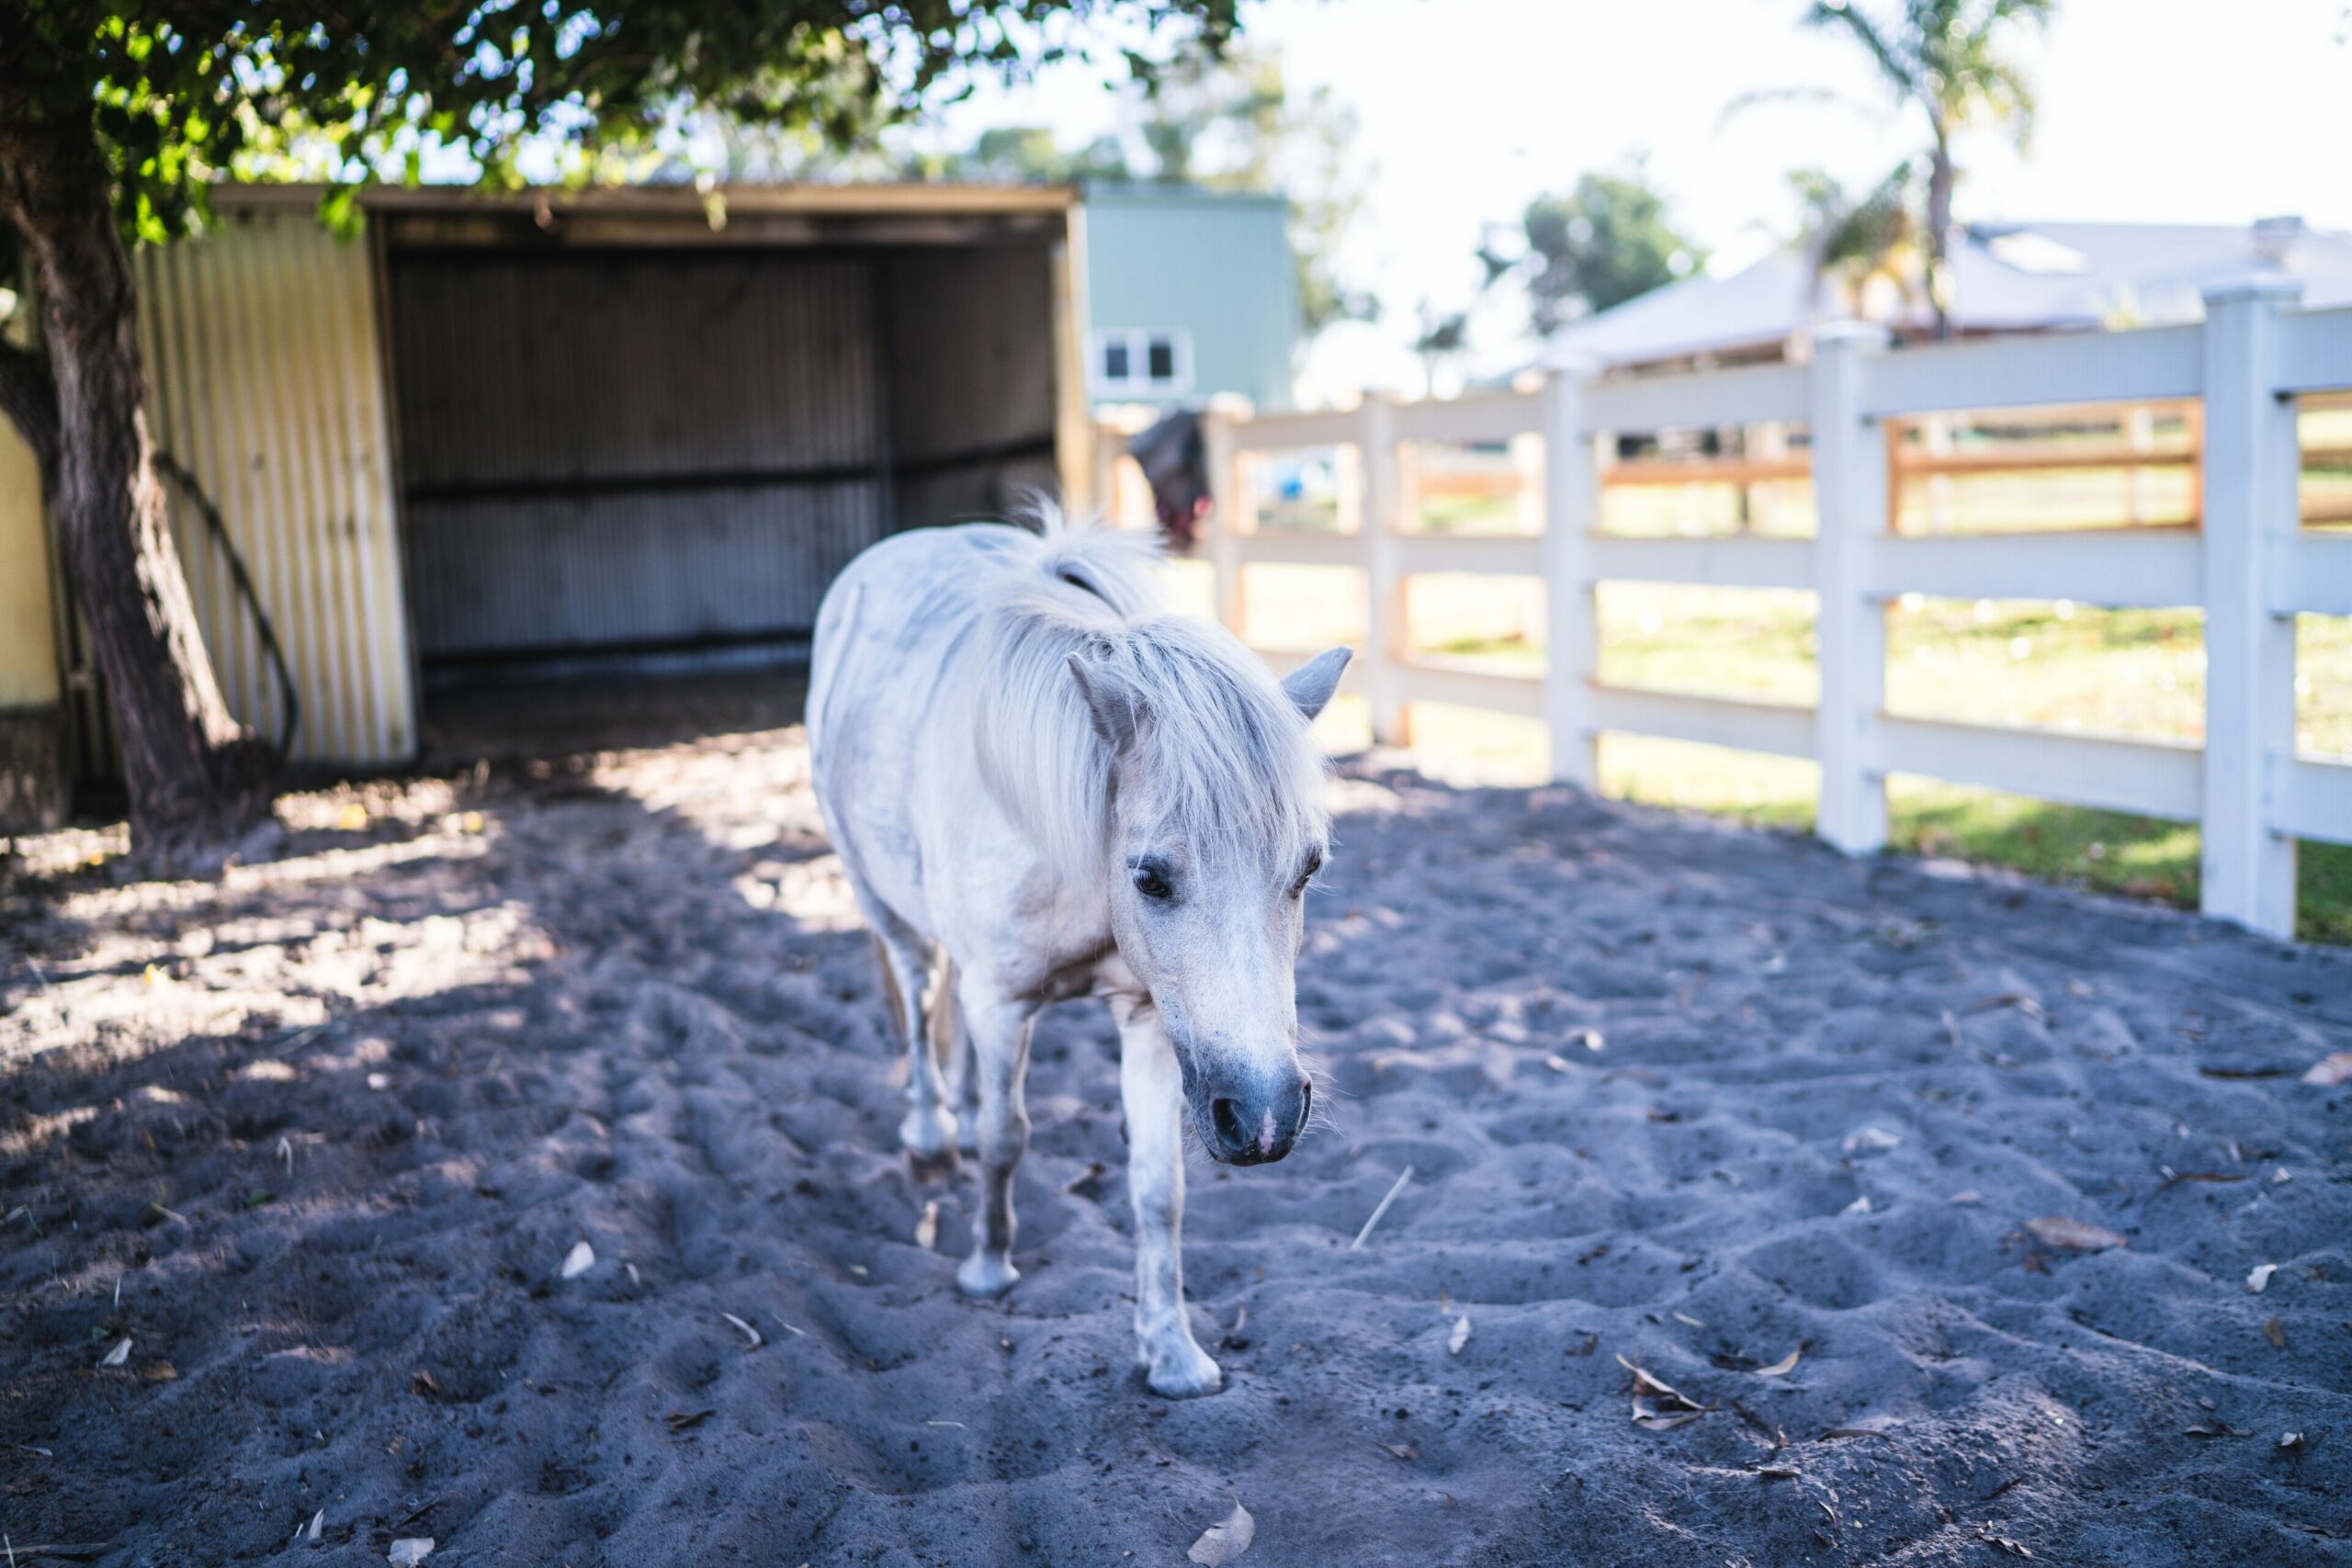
{"points": [[1041, 786]]}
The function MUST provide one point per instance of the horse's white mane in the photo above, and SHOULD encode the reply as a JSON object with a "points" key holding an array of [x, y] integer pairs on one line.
{"points": [[1224, 749]]}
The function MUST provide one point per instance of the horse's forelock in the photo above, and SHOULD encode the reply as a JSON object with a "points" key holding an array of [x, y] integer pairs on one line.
{"points": [[1220, 752]]}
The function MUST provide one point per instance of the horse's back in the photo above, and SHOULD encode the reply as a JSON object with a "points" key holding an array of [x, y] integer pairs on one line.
{"points": [[881, 669], [894, 613]]}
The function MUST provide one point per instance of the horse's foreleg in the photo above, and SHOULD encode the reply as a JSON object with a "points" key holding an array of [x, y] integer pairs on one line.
{"points": [[928, 1129], [1153, 1093], [1000, 1031]]}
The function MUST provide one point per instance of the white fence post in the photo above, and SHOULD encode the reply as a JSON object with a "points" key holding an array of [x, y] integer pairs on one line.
{"points": [[1380, 505], [1228, 497], [1571, 635], [1850, 481], [2252, 462]]}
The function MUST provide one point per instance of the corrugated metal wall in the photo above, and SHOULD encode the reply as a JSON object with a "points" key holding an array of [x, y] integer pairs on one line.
{"points": [[610, 449], [266, 381], [972, 378]]}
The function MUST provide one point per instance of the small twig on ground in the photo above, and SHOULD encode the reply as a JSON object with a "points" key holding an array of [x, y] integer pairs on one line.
{"points": [[300, 1039], [1402, 1177]]}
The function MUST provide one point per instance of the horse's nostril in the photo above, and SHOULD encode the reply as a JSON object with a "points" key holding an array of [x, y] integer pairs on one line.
{"points": [[1305, 1102], [1232, 1129]]}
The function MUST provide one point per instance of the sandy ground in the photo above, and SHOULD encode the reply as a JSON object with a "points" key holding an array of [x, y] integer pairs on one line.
{"points": [[316, 1139]]}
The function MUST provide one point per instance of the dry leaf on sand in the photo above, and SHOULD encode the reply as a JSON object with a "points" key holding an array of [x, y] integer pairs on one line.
{"points": [[1684, 1409], [2332, 1071], [1460, 1337], [750, 1333], [2276, 1332], [1225, 1540], [1651, 1421], [410, 1551], [118, 1356], [1871, 1141], [2258, 1280], [318, 1524], [2077, 1235], [927, 1228], [1782, 1367], [579, 1260]]}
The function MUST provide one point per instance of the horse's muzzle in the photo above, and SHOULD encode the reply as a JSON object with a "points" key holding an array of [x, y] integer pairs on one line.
{"points": [[1250, 1120]]}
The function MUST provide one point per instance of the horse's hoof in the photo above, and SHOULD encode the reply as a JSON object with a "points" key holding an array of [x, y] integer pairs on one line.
{"points": [[1183, 1372], [929, 1135], [984, 1275], [927, 1168]]}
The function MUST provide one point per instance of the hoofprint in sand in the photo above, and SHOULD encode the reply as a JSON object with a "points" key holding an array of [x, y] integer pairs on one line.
{"points": [[320, 1141]]}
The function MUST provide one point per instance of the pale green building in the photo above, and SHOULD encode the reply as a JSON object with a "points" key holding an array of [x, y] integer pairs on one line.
{"points": [[1190, 293]]}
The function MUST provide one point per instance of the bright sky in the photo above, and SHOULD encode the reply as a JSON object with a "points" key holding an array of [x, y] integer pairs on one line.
{"points": [[2155, 110]]}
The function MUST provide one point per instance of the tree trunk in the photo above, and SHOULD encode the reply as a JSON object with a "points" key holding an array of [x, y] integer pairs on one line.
{"points": [[197, 782], [1940, 184]]}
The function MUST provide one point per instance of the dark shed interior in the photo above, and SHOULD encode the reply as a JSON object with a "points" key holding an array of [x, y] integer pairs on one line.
{"points": [[629, 441]]}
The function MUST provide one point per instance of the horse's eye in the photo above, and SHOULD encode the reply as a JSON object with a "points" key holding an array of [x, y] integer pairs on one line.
{"points": [[1314, 864], [1152, 884]]}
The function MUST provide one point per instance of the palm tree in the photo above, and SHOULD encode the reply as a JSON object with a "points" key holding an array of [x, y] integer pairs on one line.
{"points": [[1856, 241], [1949, 60]]}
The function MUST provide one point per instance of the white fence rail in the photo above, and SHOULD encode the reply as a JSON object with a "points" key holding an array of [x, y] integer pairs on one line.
{"points": [[2251, 568]]}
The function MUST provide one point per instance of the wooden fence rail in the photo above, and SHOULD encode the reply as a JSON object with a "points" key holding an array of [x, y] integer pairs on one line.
{"points": [[2250, 565]]}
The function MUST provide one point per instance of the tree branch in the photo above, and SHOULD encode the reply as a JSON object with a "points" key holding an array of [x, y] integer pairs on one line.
{"points": [[29, 397]]}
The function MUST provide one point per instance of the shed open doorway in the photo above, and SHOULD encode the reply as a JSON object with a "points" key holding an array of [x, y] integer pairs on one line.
{"points": [[634, 449]]}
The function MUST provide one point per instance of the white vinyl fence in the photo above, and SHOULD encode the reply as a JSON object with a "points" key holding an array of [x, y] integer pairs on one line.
{"points": [[2252, 567]]}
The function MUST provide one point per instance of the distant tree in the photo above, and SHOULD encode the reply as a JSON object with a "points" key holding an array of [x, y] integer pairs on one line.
{"points": [[1029, 154], [115, 119], [1444, 336], [1604, 243], [1854, 241], [1949, 60]]}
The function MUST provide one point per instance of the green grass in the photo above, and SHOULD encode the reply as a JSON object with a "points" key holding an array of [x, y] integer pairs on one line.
{"points": [[2139, 857], [2127, 672]]}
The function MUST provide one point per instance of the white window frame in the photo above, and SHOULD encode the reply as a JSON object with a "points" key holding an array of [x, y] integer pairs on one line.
{"points": [[1138, 381]]}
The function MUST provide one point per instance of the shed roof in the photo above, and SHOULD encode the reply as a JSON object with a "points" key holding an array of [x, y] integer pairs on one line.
{"points": [[909, 195], [900, 214]]}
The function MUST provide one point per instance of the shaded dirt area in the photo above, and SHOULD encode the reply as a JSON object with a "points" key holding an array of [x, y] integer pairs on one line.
{"points": [[317, 1138]]}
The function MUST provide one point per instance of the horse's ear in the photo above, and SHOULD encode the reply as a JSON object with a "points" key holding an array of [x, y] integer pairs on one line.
{"points": [[1115, 708], [1311, 684]]}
